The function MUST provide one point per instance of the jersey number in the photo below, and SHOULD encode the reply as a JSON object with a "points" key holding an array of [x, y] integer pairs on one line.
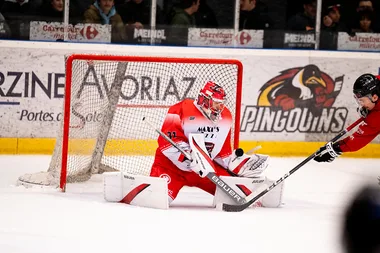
{"points": [[172, 135]]}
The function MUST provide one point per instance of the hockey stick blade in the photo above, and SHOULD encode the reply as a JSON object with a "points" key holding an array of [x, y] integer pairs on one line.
{"points": [[250, 201], [227, 189]]}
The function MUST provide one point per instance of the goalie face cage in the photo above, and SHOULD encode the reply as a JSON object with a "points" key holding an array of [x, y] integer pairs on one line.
{"points": [[107, 96]]}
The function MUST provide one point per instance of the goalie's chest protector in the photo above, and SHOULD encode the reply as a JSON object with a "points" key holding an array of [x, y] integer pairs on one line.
{"points": [[193, 121]]}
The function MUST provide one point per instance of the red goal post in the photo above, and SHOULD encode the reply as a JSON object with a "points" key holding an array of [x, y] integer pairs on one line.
{"points": [[106, 97]]}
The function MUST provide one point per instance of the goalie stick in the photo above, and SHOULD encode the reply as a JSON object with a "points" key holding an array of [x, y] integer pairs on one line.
{"points": [[239, 208], [211, 175]]}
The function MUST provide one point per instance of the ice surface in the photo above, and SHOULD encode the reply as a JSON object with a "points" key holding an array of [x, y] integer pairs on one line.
{"points": [[47, 221]]}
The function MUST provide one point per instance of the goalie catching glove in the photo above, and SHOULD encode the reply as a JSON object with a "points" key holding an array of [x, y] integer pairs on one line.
{"points": [[249, 166]]}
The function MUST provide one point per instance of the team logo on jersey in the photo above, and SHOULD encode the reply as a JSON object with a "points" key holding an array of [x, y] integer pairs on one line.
{"points": [[298, 99], [209, 147], [209, 131], [166, 177]]}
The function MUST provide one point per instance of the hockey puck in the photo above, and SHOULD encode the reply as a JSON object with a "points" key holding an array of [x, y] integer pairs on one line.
{"points": [[239, 152]]}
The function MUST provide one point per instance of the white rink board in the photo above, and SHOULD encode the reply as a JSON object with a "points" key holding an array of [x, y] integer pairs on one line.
{"points": [[28, 65]]}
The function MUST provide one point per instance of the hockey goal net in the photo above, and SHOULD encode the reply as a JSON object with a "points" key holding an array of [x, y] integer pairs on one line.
{"points": [[106, 98]]}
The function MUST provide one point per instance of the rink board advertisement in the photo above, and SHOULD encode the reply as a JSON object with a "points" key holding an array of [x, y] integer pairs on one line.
{"points": [[288, 96], [361, 41], [54, 31], [225, 38]]}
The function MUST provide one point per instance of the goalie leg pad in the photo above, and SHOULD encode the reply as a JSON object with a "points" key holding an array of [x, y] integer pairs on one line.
{"points": [[242, 185], [248, 186], [274, 197], [136, 190]]}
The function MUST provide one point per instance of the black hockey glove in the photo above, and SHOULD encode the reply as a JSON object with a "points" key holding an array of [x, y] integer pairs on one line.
{"points": [[328, 153], [362, 111]]}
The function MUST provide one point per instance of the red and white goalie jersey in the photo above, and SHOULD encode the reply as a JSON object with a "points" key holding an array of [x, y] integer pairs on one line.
{"points": [[206, 115], [186, 117]]}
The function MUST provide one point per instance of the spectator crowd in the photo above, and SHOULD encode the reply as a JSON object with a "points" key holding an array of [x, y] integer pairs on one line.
{"points": [[127, 15]]}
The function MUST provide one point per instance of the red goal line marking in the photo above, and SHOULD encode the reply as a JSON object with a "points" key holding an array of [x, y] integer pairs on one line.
{"points": [[142, 106]]}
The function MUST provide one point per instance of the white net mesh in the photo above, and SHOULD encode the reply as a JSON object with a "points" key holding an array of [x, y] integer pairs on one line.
{"points": [[109, 100]]}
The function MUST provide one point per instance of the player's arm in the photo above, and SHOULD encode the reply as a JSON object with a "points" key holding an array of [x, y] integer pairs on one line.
{"points": [[364, 135], [172, 127]]}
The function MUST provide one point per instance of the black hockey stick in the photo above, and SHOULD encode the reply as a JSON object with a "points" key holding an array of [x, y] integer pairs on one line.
{"points": [[240, 200], [239, 208]]}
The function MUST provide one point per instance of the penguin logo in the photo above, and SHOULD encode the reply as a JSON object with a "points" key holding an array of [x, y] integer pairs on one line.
{"points": [[299, 87]]}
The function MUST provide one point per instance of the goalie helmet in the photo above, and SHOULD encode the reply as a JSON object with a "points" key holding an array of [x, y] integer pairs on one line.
{"points": [[366, 85], [211, 100]]}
